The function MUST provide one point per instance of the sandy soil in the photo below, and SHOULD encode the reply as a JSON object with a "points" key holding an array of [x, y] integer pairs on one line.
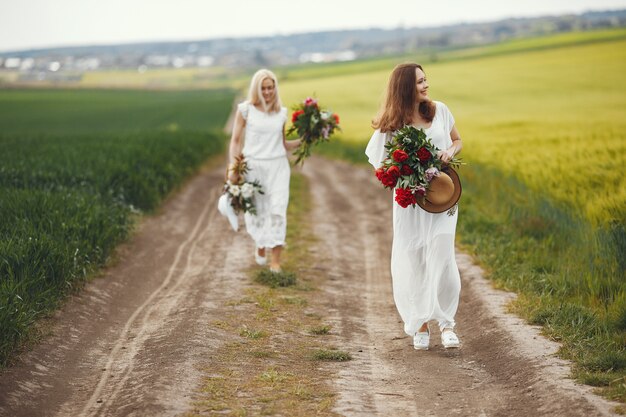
{"points": [[135, 341]]}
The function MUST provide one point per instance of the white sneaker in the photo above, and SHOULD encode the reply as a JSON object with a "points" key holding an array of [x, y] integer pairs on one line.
{"points": [[421, 340], [260, 260], [449, 339]]}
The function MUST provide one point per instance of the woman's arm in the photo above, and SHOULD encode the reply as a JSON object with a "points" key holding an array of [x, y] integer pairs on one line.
{"points": [[290, 145], [453, 150], [235, 147]]}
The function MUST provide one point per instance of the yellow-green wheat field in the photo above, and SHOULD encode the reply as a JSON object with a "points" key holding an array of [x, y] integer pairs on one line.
{"points": [[554, 118]]}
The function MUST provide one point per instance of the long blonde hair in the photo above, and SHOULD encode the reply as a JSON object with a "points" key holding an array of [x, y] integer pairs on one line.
{"points": [[399, 106], [255, 94]]}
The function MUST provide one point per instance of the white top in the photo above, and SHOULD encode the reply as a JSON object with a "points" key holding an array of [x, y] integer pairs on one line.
{"points": [[438, 132], [264, 132]]}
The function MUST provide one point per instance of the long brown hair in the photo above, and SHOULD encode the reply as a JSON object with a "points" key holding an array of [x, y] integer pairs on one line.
{"points": [[399, 105]]}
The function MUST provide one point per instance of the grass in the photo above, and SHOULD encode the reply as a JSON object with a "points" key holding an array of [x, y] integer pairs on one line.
{"points": [[320, 330], [275, 279], [61, 112], [273, 377], [544, 203], [252, 334], [188, 78], [76, 169], [331, 355], [537, 43], [294, 300], [300, 238]]}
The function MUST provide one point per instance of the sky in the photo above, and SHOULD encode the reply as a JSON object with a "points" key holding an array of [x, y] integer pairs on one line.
{"points": [[31, 24]]}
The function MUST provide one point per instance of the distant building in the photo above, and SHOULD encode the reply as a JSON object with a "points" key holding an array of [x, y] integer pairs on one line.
{"points": [[12, 63], [328, 57]]}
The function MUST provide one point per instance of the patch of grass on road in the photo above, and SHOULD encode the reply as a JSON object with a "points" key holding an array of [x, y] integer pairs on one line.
{"points": [[252, 334], [275, 279], [321, 329], [331, 355]]}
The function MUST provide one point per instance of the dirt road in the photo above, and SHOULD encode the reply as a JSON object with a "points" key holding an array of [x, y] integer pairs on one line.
{"points": [[135, 341], [504, 367]]}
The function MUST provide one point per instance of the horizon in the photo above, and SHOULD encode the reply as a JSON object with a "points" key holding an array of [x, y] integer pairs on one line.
{"points": [[482, 13]]}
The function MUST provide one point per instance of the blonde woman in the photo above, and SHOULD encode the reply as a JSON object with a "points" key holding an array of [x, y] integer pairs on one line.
{"points": [[265, 149], [426, 280]]}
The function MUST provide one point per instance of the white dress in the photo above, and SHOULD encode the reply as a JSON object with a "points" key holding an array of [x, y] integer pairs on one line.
{"points": [[426, 280], [267, 160]]}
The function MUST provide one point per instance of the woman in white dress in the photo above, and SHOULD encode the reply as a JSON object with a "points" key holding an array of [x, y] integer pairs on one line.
{"points": [[426, 280], [265, 150]]}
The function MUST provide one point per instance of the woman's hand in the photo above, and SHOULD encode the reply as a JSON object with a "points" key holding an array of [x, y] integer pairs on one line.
{"points": [[447, 155], [291, 145]]}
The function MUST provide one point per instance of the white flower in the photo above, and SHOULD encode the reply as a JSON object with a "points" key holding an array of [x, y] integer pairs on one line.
{"points": [[247, 190], [234, 190], [324, 115]]}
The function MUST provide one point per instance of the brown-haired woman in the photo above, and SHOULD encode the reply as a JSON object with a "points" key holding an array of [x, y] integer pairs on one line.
{"points": [[426, 280]]}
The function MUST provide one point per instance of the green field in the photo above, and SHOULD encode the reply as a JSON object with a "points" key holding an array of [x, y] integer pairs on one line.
{"points": [[544, 205], [76, 166], [546, 116]]}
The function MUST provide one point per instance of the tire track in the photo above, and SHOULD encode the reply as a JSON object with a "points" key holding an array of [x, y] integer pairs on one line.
{"points": [[161, 310], [122, 340]]}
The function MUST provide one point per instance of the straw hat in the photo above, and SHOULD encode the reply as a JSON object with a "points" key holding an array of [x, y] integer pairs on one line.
{"points": [[444, 192]]}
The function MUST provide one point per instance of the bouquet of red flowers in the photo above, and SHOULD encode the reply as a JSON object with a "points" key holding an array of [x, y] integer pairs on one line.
{"points": [[313, 125], [411, 164]]}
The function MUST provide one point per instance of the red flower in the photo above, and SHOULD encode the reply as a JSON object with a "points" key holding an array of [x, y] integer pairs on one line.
{"points": [[399, 155], [295, 115], [423, 154], [310, 102], [336, 117], [406, 170], [394, 171], [405, 198], [389, 178], [380, 172]]}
